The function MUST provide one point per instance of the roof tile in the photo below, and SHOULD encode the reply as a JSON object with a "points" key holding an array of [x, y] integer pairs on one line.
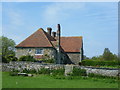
{"points": [[71, 44], [42, 39], [38, 39]]}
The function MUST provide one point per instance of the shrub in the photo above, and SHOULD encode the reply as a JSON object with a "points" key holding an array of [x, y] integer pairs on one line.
{"points": [[44, 71], [32, 71], [4, 60], [59, 77], [48, 60], [57, 72], [100, 76], [69, 77], [14, 72], [78, 72], [26, 58], [11, 58], [25, 71], [99, 63]]}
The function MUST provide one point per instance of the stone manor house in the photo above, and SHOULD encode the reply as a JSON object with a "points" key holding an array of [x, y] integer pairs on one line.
{"points": [[41, 44]]}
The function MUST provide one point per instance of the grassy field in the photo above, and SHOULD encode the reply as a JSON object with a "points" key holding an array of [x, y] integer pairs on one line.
{"points": [[0, 80], [44, 81]]}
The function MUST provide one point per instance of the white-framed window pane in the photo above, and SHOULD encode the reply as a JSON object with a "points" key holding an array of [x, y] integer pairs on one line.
{"points": [[39, 51]]}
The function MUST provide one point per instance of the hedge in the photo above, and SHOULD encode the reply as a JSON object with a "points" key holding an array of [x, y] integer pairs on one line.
{"points": [[99, 63]]}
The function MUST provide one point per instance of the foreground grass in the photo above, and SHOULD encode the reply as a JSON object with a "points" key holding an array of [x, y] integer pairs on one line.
{"points": [[44, 81], [0, 80]]}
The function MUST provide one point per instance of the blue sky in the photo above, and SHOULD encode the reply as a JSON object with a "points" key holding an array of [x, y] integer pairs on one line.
{"points": [[97, 22]]}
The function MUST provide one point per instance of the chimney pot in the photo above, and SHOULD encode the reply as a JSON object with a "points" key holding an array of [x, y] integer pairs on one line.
{"points": [[54, 34], [49, 30]]}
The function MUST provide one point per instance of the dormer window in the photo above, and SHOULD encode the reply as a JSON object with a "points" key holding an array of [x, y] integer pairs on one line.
{"points": [[39, 51]]}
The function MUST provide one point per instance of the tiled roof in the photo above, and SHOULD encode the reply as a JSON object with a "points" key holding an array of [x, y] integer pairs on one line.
{"points": [[42, 39], [71, 44], [38, 39]]}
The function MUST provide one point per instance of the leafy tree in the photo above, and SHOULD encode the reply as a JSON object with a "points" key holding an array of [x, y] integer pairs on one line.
{"points": [[107, 55], [85, 57], [97, 57], [7, 47]]}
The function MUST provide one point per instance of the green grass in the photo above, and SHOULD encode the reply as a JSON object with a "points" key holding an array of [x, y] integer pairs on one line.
{"points": [[44, 81], [0, 80]]}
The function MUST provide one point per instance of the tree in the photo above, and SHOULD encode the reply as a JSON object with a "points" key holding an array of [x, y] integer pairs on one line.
{"points": [[85, 57], [107, 55], [7, 47], [97, 57]]}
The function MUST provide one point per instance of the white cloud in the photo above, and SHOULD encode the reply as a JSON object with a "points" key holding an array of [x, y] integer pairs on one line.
{"points": [[14, 20], [56, 12]]}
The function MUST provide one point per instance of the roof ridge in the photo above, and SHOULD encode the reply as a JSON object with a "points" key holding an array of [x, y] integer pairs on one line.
{"points": [[47, 37], [28, 37], [39, 30]]}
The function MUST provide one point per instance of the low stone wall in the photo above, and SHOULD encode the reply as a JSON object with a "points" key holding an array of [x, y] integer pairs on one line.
{"points": [[28, 65], [35, 65], [102, 71]]}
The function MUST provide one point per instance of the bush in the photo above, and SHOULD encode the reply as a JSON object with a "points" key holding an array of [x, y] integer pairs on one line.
{"points": [[100, 76], [57, 72], [79, 72], [27, 58], [14, 72], [44, 71], [99, 63], [11, 58], [59, 77], [32, 71], [4, 60], [48, 60]]}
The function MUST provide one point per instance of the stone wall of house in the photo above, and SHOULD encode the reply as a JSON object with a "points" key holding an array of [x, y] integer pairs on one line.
{"points": [[50, 52], [47, 52], [74, 57], [68, 68]]}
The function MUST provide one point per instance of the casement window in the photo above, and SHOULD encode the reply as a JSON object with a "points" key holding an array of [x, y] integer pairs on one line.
{"points": [[38, 51]]}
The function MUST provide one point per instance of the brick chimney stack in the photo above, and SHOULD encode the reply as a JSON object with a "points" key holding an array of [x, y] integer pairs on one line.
{"points": [[54, 34], [49, 30]]}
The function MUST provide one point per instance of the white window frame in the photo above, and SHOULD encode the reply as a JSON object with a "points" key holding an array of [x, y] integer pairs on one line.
{"points": [[36, 53]]}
